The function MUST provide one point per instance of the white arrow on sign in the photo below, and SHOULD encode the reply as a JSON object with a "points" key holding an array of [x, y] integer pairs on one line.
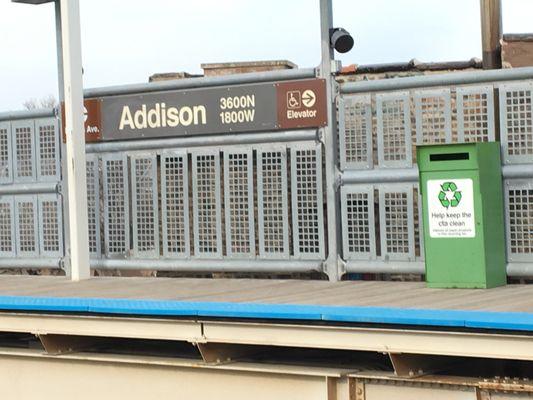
{"points": [[308, 98]]}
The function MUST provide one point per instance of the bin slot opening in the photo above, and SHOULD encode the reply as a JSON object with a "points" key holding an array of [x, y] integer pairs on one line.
{"points": [[449, 156]]}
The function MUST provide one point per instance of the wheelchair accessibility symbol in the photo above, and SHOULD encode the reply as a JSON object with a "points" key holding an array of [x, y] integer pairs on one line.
{"points": [[295, 99]]}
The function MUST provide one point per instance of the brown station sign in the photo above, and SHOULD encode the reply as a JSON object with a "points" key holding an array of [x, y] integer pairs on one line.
{"points": [[92, 120], [258, 107], [302, 104]]}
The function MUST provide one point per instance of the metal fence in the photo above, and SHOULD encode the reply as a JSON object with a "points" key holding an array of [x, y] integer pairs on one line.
{"points": [[257, 202], [380, 123], [227, 202], [176, 208], [31, 228]]}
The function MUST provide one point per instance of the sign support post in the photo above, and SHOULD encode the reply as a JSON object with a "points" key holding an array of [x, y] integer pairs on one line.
{"points": [[70, 72], [330, 140]]}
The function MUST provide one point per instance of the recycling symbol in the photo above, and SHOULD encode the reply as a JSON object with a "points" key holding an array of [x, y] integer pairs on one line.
{"points": [[449, 196]]}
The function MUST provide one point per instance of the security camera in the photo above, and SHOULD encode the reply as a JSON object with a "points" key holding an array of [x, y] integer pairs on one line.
{"points": [[341, 40]]}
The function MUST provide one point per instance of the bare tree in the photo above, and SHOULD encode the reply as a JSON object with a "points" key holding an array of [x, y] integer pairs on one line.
{"points": [[30, 104], [48, 101]]}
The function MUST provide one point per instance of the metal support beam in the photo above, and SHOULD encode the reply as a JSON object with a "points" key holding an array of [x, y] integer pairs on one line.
{"points": [[330, 140], [78, 253], [147, 377], [63, 344], [491, 33], [218, 353], [463, 344], [412, 365]]}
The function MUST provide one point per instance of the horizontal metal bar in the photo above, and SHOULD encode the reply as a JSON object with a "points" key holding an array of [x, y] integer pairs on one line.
{"points": [[380, 175], [210, 265], [72, 325], [410, 175], [385, 267], [455, 78], [20, 263], [517, 171], [27, 114], [195, 83], [520, 269], [467, 344], [199, 141], [382, 267], [29, 188]]}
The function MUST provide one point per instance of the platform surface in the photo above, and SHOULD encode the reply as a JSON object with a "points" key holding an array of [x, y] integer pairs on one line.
{"points": [[397, 303]]}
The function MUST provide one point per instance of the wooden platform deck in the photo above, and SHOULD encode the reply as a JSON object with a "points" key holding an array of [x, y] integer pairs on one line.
{"points": [[402, 295]]}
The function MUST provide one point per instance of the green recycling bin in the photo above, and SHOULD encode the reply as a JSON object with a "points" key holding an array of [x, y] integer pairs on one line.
{"points": [[462, 207]]}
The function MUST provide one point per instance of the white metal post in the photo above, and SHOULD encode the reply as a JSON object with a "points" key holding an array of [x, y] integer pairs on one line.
{"points": [[78, 256], [330, 140]]}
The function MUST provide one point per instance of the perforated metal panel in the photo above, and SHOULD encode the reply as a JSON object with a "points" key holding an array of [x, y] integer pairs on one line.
{"points": [[394, 130], [93, 204], [239, 202], [433, 116], [50, 225], [516, 122], [145, 210], [116, 205], [475, 114], [307, 201], [358, 223], [355, 132], [519, 220], [6, 158], [27, 235], [396, 222], [206, 204], [48, 157], [175, 204], [7, 226], [23, 136], [272, 202]]}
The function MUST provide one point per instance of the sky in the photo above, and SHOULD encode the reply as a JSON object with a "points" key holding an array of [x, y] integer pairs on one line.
{"points": [[127, 41]]}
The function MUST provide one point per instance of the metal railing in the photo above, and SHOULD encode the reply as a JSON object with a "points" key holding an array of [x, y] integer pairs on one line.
{"points": [[31, 229], [248, 202], [380, 123], [255, 202]]}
